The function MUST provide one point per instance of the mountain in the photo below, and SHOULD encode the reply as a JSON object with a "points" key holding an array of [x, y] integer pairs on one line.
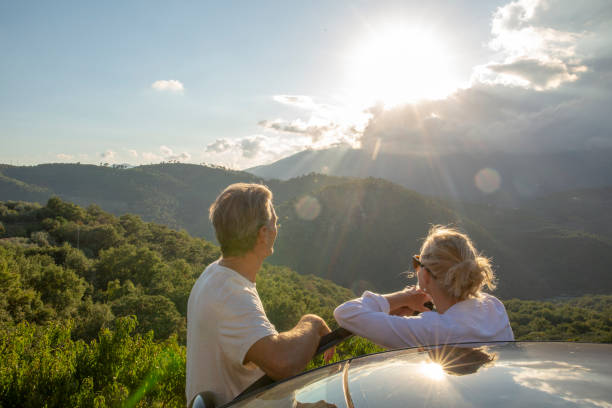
{"points": [[177, 195], [360, 233], [521, 176]]}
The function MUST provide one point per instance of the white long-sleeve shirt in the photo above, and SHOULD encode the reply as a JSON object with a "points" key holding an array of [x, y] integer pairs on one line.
{"points": [[475, 320]]}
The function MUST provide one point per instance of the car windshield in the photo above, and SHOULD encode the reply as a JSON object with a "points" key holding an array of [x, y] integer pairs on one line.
{"points": [[445, 164]]}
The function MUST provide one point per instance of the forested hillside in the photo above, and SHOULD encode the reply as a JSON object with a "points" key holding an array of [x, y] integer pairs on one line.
{"points": [[359, 233], [176, 195], [92, 307], [365, 232], [522, 176]]}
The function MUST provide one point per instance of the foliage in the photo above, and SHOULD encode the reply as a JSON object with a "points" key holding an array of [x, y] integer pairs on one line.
{"points": [[364, 227], [74, 282], [588, 318], [43, 366], [287, 296]]}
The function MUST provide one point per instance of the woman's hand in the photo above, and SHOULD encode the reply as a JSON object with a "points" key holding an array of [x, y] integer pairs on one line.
{"points": [[411, 298], [402, 311]]}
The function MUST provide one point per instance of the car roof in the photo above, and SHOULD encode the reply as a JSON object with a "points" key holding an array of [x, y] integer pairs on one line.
{"points": [[462, 375]]}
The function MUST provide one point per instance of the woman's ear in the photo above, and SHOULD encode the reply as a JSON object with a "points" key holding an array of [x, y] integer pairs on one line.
{"points": [[427, 278]]}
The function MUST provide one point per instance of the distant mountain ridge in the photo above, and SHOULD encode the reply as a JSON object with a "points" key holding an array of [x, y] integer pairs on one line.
{"points": [[367, 231], [522, 176], [358, 232], [174, 194]]}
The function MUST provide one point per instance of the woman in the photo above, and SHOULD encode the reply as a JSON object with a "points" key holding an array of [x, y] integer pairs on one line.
{"points": [[451, 273]]}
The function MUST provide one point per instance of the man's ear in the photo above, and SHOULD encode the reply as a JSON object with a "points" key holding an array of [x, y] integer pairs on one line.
{"points": [[261, 234]]}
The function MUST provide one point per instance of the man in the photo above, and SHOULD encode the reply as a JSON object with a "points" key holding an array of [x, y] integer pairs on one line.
{"points": [[230, 342]]}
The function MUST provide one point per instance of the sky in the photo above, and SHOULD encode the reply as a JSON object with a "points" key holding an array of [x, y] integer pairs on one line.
{"points": [[242, 83]]}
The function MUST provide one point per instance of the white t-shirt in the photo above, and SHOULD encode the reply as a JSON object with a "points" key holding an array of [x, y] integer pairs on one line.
{"points": [[475, 320], [225, 318]]}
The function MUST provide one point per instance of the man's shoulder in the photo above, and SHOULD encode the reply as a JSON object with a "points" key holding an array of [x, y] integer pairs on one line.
{"points": [[219, 282]]}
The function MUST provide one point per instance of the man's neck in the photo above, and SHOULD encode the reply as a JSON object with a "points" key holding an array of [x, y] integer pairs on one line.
{"points": [[247, 265]]}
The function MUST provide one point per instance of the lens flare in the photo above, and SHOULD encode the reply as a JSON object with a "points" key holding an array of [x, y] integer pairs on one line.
{"points": [[487, 180], [308, 208]]}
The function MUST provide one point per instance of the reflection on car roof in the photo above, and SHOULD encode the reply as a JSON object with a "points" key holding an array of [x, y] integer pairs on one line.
{"points": [[464, 375]]}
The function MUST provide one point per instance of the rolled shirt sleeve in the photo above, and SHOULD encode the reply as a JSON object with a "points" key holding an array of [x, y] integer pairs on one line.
{"points": [[368, 316]]}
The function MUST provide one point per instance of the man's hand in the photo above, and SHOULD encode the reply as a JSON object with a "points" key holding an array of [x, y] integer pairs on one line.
{"points": [[329, 355], [323, 330]]}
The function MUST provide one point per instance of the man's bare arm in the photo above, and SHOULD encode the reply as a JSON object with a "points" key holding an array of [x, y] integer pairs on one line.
{"points": [[287, 353]]}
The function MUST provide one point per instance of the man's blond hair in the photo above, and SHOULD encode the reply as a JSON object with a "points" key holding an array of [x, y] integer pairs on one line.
{"points": [[237, 215]]}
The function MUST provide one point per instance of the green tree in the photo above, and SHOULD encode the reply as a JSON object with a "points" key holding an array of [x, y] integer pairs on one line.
{"points": [[156, 313], [138, 264]]}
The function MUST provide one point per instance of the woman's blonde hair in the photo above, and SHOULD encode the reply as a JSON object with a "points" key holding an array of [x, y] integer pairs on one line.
{"points": [[455, 264]]}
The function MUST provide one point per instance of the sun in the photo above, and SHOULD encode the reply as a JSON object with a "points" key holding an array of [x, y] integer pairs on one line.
{"points": [[400, 65]]}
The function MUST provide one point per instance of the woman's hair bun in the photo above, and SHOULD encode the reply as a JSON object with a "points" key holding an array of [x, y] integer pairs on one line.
{"points": [[456, 264]]}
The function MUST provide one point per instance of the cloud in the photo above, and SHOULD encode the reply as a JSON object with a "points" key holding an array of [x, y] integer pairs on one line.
{"points": [[168, 154], [326, 125], [534, 51], [133, 153], [165, 150], [219, 146], [108, 155], [493, 117], [165, 154], [254, 150], [151, 157], [315, 132], [64, 156], [248, 147], [251, 146], [299, 101], [171, 85], [548, 89], [540, 74], [184, 156]]}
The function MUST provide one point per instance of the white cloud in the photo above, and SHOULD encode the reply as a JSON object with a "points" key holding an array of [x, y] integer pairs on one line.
{"points": [[534, 51], [108, 155], [219, 146], [165, 154], [184, 156], [548, 89], [545, 88], [254, 150], [171, 85], [298, 126], [165, 150], [168, 154], [326, 125], [540, 74], [64, 156], [299, 101], [252, 146], [151, 157]]}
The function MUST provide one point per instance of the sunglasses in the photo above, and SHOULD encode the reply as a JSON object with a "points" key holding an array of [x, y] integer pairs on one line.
{"points": [[416, 263]]}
